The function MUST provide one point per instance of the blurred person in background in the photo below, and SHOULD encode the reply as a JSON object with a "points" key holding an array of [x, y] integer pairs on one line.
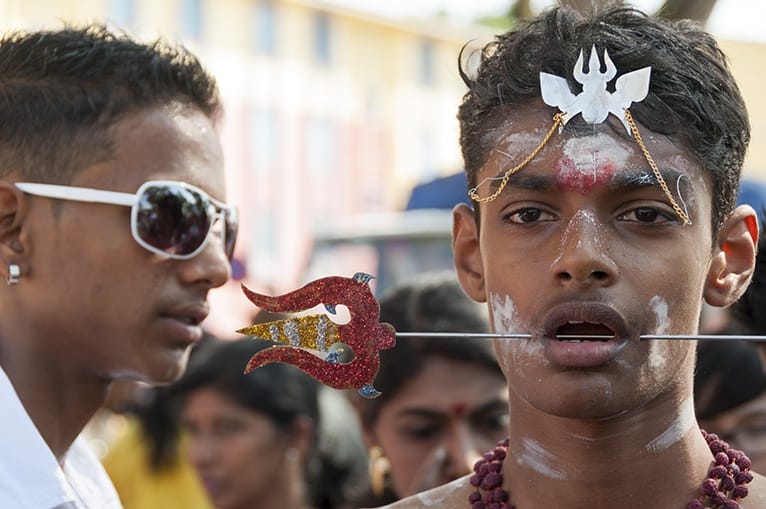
{"points": [[113, 231], [147, 460], [730, 382], [444, 400], [254, 439]]}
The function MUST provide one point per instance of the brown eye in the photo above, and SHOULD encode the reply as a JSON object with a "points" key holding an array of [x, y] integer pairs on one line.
{"points": [[646, 215], [528, 215]]}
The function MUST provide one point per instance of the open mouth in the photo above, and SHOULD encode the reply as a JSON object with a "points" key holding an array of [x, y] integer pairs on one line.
{"points": [[581, 331]]}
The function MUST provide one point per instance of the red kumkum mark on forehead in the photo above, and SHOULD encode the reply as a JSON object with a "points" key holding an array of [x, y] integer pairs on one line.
{"points": [[582, 180]]}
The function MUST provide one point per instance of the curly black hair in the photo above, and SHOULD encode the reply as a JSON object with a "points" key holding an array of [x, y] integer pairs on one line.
{"points": [[693, 98]]}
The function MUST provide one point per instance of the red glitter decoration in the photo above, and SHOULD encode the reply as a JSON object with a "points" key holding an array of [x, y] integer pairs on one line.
{"points": [[364, 333]]}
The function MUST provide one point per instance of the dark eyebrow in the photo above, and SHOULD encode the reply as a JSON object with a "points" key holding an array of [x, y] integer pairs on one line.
{"points": [[522, 180], [628, 181]]}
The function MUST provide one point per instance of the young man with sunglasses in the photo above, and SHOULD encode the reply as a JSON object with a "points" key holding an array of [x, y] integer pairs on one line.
{"points": [[603, 155], [112, 232]]}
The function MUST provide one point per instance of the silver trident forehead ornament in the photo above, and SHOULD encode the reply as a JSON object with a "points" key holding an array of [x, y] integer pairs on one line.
{"points": [[595, 102]]}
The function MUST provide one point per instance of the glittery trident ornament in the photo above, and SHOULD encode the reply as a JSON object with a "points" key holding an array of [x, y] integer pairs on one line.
{"points": [[340, 356]]}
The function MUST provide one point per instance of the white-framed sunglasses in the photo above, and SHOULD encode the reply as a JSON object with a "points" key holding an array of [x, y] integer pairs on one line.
{"points": [[170, 218]]}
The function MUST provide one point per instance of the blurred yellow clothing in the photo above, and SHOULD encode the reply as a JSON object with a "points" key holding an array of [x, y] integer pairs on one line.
{"points": [[141, 487]]}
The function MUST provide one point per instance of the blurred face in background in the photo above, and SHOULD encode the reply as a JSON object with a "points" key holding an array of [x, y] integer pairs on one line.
{"points": [[744, 427], [242, 458], [439, 423]]}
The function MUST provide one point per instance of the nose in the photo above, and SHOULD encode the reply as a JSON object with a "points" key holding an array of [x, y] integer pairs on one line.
{"points": [[584, 258], [462, 453], [210, 267], [200, 449]]}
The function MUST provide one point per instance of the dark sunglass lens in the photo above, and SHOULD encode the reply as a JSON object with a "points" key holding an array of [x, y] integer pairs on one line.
{"points": [[173, 219], [232, 226]]}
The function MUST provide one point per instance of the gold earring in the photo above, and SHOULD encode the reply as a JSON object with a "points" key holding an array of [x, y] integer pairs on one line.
{"points": [[379, 467]]}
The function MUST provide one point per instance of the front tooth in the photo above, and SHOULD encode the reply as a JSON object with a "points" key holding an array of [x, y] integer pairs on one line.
{"points": [[576, 322]]}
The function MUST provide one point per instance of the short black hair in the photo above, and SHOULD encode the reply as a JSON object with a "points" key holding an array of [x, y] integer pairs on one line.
{"points": [[693, 98], [62, 90]]}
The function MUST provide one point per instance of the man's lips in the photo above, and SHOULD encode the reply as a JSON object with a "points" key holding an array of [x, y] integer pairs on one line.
{"points": [[183, 322], [189, 314], [583, 334], [584, 331], [584, 321]]}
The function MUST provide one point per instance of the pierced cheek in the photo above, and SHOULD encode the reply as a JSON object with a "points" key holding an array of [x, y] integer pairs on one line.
{"points": [[582, 178]]}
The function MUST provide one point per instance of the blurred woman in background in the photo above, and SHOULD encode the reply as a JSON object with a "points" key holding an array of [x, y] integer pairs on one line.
{"points": [[253, 439], [443, 402]]}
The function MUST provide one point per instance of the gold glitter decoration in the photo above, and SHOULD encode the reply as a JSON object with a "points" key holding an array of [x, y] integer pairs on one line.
{"points": [[316, 332]]}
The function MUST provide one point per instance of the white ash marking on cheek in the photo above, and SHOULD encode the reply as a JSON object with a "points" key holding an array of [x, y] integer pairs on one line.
{"points": [[503, 313], [683, 422], [505, 321], [531, 454], [659, 306]]}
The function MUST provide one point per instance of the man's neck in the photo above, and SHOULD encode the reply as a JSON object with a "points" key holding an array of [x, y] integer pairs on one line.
{"points": [[649, 459], [58, 401]]}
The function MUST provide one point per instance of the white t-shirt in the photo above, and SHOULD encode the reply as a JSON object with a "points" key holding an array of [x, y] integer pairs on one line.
{"points": [[30, 476]]}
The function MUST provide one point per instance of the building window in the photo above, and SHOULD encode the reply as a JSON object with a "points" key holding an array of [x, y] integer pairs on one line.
{"points": [[265, 27], [191, 19], [426, 63], [322, 38], [426, 159], [263, 141], [123, 12], [320, 148]]}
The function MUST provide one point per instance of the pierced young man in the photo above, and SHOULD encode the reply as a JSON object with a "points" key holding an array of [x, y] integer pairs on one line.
{"points": [[603, 156]]}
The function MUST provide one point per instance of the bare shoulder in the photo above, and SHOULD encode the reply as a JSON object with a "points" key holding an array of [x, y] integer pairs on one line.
{"points": [[453, 495], [756, 499]]}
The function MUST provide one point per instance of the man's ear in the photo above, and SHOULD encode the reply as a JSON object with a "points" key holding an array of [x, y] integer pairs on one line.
{"points": [[465, 246], [13, 241], [733, 258], [365, 427], [302, 435]]}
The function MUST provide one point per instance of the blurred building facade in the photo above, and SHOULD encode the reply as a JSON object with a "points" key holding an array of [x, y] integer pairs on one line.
{"points": [[330, 112]]}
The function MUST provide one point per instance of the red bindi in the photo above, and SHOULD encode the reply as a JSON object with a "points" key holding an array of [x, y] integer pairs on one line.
{"points": [[570, 177], [459, 409]]}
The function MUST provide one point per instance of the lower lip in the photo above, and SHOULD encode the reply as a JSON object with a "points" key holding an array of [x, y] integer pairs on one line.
{"points": [[582, 354], [211, 487], [181, 331]]}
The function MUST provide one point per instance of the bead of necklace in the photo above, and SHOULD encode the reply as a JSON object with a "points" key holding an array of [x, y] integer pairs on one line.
{"points": [[725, 485]]}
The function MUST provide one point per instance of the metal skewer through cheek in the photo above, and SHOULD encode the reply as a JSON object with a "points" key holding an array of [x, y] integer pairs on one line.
{"points": [[493, 335]]}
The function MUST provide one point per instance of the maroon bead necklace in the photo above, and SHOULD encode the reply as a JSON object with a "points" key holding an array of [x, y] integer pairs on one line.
{"points": [[724, 487]]}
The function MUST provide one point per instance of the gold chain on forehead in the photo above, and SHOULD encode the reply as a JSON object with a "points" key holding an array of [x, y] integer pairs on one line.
{"points": [[557, 118], [474, 194], [661, 181]]}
